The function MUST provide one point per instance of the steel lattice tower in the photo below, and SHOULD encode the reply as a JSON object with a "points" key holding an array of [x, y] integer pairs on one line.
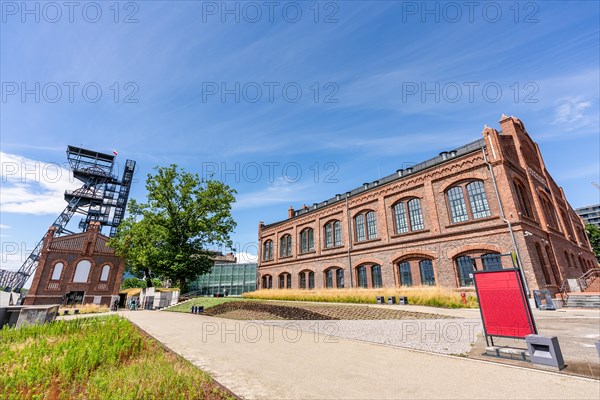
{"points": [[102, 198]]}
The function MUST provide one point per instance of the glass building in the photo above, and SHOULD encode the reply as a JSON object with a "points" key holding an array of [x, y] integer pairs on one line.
{"points": [[226, 278]]}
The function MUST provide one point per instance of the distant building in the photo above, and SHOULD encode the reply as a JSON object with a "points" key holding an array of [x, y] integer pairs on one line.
{"points": [[226, 278], [76, 269], [590, 214], [435, 223]]}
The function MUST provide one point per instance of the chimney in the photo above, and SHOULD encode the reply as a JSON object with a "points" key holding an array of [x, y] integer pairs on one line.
{"points": [[375, 183], [366, 185], [291, 212], [409, 170], [444, 155], [400, 172], [315, 206], [453, 153], [338, 196]]}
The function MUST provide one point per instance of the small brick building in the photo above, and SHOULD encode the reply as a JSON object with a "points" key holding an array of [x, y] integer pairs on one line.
{"points": [[434, 224], [75, 269]]}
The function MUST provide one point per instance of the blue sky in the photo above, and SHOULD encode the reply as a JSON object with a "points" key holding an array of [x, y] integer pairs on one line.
{"points": [[328, 97]]}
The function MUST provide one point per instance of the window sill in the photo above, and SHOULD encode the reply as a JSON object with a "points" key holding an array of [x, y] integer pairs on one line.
{"points": [[471, 221], [367, 241], [332, 248], [411, 233], [306, 253], [284, 257]]}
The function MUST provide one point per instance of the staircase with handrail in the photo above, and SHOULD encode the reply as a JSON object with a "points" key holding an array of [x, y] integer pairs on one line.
{"points": [[589, 296]]}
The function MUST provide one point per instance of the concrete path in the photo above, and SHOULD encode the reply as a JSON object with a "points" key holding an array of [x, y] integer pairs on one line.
{"points": [[258, 361]]}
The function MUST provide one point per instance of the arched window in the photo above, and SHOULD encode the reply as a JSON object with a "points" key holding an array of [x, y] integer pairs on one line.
{"points": [[540, 255], [105, 272], [567, 224], [405, 274], [458, 207], [302, 280], [307, 240], [548, 211], [491, 262], [361, 273], [553, 266], [267, 282], [376, 276], [427, 274], [465, 267], [311, 280], [329, 278], [478, 200], [82, 271], [333, 234], [285, 280], [408, 220], [366, 226], [285, 246], [57, 271], [268, 250], [568, 260], [523, 199], [478, 203], [339, 278]]}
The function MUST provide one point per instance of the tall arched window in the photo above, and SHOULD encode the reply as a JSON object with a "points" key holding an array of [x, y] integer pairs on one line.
{"points": [[82, 271], [311, 280], [366, 226], [540, 255], [285, 280], [548, 211], [105, 272], [285, 246], [465, 268], [267, 282], [302, 280], [478, 200], [307, 240], [57, 271], [523, 199], [339, 278], [361, 273], [268, 250], [491, 262], [333, 234], [376, 276], [427, 274], [567, 224], [408, 216], [405, 274], [329, 278], [478, 204]]}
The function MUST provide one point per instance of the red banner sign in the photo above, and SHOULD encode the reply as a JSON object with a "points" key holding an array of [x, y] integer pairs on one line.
{"points": [[503, 304]]}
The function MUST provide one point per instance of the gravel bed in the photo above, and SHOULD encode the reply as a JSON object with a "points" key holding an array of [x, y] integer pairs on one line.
{"points": [[446, 336]]}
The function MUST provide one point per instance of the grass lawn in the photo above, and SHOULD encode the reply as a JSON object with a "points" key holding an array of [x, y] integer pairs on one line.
{"points": [[420, 295], [95, 358], [207, 302]]}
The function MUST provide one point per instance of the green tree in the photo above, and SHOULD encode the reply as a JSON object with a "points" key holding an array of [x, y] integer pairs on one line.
{"points": [[133, 282], [169, 236], [593, 233]]}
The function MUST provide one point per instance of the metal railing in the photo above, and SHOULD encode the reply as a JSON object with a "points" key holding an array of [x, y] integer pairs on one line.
{"points": [[590, 276]]}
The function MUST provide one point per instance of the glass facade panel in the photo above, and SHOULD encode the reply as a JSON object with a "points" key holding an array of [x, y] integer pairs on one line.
{"points": [[478, 200], [233, 279], [464, 267], [458, 208], [427, 274], [405, 274], [416, 216]]}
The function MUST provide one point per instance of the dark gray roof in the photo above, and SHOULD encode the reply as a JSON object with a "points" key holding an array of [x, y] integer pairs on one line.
{"points": [[400, 174]]}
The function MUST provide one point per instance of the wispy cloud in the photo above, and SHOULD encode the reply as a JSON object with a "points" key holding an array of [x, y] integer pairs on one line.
{"points": [[574, 112], [33, 187], [282, 190]]}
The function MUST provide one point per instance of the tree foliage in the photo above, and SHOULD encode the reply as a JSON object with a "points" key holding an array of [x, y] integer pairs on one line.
{"points": [[593, 233], [169, 236]]}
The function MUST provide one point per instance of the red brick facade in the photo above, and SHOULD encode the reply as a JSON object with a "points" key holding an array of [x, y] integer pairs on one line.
{"points": [[518, 194], [53, 283]]}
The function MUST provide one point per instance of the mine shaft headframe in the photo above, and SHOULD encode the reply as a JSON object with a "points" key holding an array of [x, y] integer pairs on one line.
{"points": [[85, 163]]}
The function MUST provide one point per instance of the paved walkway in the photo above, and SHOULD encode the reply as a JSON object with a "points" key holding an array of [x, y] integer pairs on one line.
{"points": [[258, 361]]}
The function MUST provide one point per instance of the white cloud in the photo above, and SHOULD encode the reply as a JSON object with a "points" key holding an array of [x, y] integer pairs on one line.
{"points": [[33, 187], [282, 190], [575, 112], [2, 226]]}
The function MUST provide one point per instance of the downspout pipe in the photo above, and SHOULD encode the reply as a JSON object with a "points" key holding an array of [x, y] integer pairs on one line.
{"points": [[503, 216]]}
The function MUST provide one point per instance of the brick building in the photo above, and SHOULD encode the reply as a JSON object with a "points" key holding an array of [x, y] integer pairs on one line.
{"points": [[434, 223], [77, 268]]}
